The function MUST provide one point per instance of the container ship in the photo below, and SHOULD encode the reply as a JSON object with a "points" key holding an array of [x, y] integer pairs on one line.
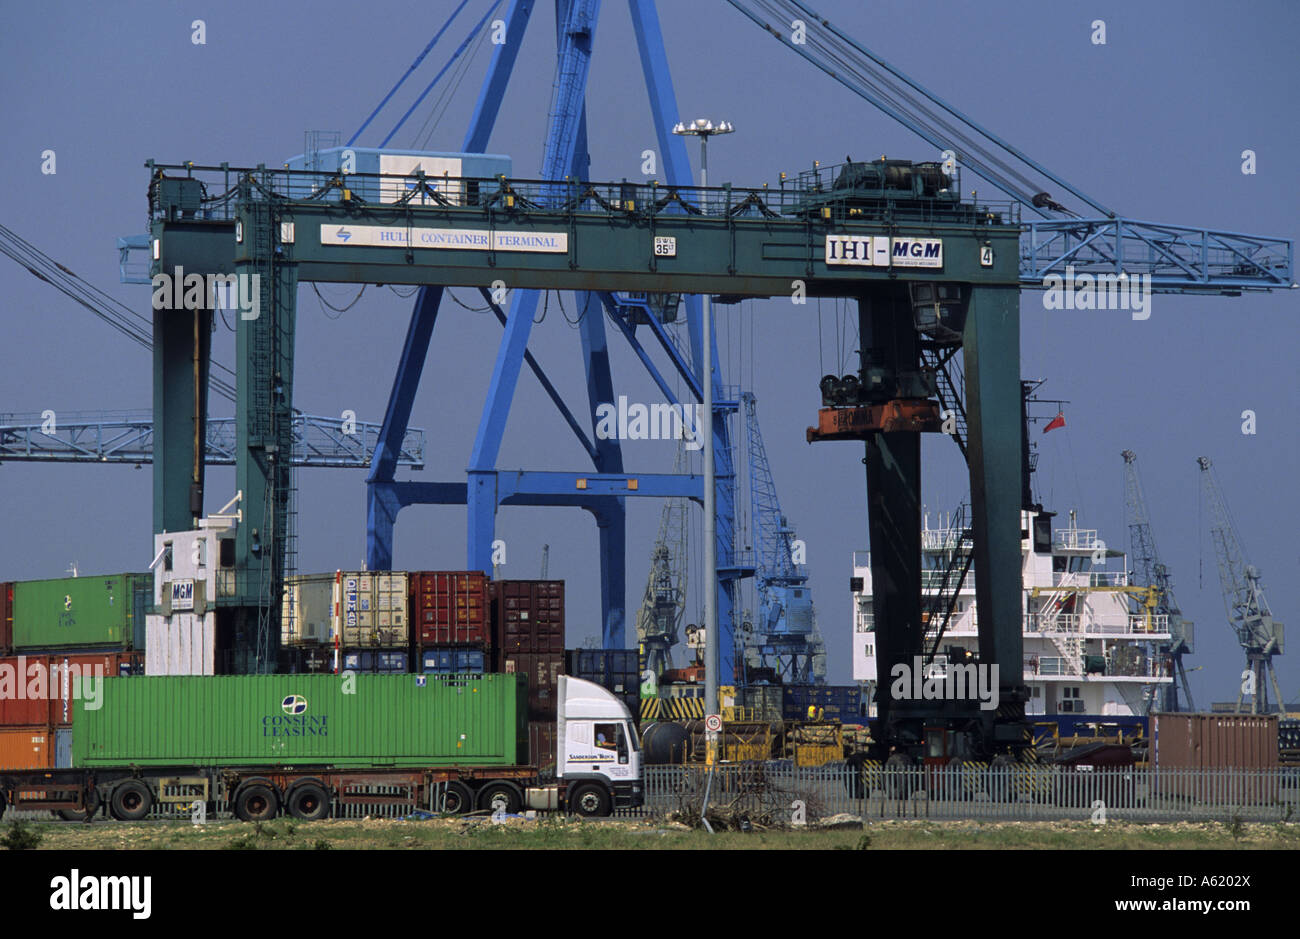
{"points": [[1094, 649]]}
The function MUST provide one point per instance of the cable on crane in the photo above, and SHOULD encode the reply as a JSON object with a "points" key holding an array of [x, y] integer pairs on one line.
{"points": [[460, 303], [338, 310], [918, 109], [116, 314], [429, 87], [418, 59], [439, 109]]}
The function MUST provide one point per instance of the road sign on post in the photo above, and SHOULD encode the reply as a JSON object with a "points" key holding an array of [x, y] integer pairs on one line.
{"points": [[713, 723]]}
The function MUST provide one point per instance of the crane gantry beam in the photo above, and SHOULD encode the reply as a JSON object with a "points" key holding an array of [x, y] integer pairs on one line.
{"points": [[128, 437]]}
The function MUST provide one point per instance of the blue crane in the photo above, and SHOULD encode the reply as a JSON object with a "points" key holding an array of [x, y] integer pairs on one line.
{"points": [[785, 635]]}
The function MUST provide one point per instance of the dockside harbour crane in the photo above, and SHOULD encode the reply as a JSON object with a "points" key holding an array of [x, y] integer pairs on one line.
{"points": [[1150, 571], [785, 635], [1243, 598]]}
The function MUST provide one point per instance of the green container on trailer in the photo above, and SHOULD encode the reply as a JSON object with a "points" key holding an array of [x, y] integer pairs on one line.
{"points": [[81, 612], [306, 720]]}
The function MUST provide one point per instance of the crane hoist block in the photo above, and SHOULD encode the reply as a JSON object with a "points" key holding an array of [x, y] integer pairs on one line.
{"points": [[855, 423]]}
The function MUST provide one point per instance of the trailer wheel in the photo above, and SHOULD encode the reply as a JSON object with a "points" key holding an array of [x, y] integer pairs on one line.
{"points": [[590, 800], [257, 803], [131, 801], [500, 790], [308, 802], [457, 800], [92, 803]]}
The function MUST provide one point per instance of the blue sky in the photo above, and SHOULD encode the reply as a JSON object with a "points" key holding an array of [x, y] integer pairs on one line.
{"points": [[1152, 123]]}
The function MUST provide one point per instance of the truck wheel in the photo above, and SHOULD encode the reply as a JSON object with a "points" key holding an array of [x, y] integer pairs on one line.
{"points": [[590, 800], [308, 802], [257, 803], [131, 801], [499, 790], [457, 799]]}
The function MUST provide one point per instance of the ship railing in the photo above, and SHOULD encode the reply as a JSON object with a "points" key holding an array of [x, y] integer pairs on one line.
{"points": [[1077, 538], [1075, 623], [1051, 665], [943, 539], [1066, 580]]}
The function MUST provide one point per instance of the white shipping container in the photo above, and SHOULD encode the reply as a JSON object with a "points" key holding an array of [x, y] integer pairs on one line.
{"points": [[372, 609], [358, 609], [307, 614], [180, 644]]}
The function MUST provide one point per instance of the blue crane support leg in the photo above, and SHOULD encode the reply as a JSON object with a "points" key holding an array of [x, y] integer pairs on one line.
{"points": [[611, 516], [677, 170], [382, 506]]}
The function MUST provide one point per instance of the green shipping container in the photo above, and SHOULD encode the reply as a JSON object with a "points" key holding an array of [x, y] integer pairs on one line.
{"points": [[105, 612], [306, 720]]}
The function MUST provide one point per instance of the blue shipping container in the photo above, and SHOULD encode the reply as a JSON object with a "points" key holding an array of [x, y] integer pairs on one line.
{"points": [[453, 661], [841, 703]]}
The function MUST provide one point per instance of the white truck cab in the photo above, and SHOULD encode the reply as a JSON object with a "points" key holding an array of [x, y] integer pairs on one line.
{"points": [[598, 754]]}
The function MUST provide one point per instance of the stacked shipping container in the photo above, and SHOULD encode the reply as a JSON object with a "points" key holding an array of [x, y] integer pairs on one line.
{"points": [[615, 670], [362, 615], [528, 639], [48, 629], [451, 627]]}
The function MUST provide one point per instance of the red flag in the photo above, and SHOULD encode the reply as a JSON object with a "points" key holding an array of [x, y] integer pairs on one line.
{"points": [[1058, 421]]}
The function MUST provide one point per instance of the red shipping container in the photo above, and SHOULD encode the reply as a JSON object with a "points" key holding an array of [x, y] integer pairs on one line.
{"points": [[38, 689], [543, 670], [528, 615], [450, 607]]}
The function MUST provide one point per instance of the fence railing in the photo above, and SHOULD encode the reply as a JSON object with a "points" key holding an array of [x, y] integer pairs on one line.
{"points": [[769, 791]]}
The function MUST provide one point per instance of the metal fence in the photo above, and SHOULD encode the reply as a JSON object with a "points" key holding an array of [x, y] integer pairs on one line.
{"points": [[977, 791]]}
